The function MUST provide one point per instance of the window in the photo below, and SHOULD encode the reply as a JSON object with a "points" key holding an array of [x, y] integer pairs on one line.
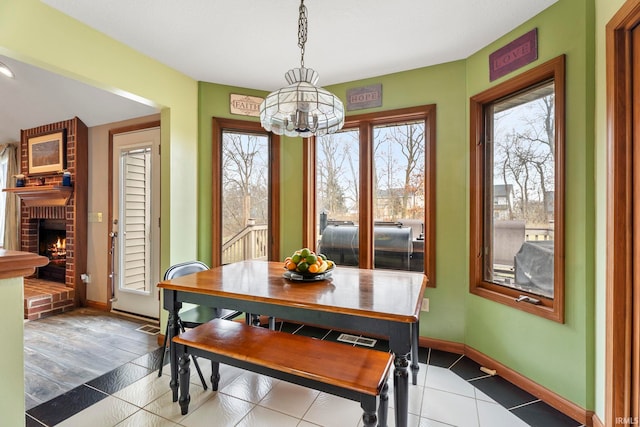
{"points": [[517, 192], [370, 199], [245, 194]]}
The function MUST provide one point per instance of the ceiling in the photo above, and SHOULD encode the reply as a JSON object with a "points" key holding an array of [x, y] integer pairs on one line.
{"points": [[250, 43]]}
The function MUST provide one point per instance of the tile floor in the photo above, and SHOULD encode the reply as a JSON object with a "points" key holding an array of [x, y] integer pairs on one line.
{"points": [[451, 391]]}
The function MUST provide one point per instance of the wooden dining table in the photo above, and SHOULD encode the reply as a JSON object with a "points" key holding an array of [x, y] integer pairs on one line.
{"points": [[379, 303]]}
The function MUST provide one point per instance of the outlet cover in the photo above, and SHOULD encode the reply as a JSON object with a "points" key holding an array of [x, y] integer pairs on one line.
{"points": [[425, 304]]}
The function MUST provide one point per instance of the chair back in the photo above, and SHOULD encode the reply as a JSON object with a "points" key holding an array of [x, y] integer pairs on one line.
{"points": [[184, 268]]}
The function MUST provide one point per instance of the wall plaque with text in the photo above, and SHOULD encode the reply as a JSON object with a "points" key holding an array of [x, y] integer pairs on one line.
{"points": [[516, 54], [245, 105], [364, 97]]}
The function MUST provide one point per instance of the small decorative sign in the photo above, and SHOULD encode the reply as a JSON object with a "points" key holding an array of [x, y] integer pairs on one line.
{"points": [[245, 105], [364, 97], [516, 54]]}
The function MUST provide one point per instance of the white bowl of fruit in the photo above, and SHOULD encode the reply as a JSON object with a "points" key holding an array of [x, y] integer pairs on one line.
{"points": [[304, 264]]}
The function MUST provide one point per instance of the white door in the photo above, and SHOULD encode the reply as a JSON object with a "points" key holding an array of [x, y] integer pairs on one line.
{"points": [[136, 222]]}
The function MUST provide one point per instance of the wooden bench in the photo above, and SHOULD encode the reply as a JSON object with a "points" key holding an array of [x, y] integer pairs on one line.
{"points": [[354, 373]]}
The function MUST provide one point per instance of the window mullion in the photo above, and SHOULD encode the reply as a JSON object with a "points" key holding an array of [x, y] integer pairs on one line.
{"points": [[366, 196]]}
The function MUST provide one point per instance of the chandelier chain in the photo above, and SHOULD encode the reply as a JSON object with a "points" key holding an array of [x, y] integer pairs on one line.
{"points": [[302, 31]]}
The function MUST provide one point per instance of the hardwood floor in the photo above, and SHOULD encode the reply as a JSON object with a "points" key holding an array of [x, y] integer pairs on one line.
{"points": [[69, 349]]}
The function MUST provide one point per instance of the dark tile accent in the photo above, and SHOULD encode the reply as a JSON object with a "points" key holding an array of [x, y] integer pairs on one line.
{"points": [[503, 392], [289, 328], [64, 406], [32, 422], [312, 331], [151, 360], [382, 345], [468, 369], [443, 359], [119, 378], [540, 414], [423, 354]]}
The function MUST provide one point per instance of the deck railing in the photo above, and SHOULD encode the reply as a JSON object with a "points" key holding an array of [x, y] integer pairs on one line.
{"points": [[250, 243], [538, 234]]}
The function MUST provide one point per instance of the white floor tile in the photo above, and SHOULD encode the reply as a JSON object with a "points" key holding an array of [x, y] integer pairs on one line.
{"points": [[144, 391], [412, 421], [415, 399], [250, 387], [264, 417], [422, 375], [426, 422], [219, 411], [166, 408], [494, 415], [146, 419], [446, 380], [289, 398], [449, 408], [106, 413], [332, 411]]}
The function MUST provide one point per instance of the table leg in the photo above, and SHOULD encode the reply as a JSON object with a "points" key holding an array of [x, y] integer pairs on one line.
{"points": [[401, 389], [173, 331], [415, 367]]}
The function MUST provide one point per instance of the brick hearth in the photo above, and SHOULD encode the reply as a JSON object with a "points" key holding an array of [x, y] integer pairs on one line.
{"points": [[43, 298]]}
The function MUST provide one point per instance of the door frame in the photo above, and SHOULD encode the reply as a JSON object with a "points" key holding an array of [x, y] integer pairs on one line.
{"points": [[112, 133], [622, 304]]}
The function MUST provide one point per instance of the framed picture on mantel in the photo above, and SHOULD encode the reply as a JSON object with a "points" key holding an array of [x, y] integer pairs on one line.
{"points": [[47, 153]]}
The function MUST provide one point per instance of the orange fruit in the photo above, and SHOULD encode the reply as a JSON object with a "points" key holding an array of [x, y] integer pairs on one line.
{"points": [[313, 268]]}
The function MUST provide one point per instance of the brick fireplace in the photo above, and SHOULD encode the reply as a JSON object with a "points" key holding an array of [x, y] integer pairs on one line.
{"points": [[48, 205]]}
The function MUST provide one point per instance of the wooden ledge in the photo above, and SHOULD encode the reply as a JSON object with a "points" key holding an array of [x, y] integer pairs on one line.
{"points": [[19, 264], [42, 195]]}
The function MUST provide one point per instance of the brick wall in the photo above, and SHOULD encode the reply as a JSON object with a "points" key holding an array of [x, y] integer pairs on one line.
{"points": [[75, 212]]}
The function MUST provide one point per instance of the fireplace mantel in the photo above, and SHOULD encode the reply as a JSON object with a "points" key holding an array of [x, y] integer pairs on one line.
{"points": [[42, 195]]}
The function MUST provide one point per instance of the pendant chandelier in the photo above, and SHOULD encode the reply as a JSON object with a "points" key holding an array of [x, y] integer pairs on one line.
{"points": [[302, 108]]}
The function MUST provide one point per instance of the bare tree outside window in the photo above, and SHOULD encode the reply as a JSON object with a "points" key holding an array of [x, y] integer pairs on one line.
{"points": [[522, 156], [245, 196]]}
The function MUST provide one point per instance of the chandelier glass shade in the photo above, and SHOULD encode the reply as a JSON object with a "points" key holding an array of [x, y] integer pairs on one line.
{"points": [[302, 108]]}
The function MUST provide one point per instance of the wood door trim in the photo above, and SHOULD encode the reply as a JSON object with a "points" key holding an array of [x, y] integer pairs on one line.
{"points": [[619, 377]]}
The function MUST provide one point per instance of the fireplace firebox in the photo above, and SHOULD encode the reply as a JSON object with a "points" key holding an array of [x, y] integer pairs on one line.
{"points": [[52, 238]]}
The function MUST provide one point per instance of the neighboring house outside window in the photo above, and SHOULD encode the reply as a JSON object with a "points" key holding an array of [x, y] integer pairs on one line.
{"points": [[370, 195], [517, 198]]}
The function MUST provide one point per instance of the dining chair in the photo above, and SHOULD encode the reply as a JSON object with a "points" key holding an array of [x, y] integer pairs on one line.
{"points": [[190, 317]]}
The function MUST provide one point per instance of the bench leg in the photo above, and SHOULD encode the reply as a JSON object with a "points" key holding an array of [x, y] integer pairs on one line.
{"points": [[383, 406], [215, 375], [368, 405], [183, 380]]}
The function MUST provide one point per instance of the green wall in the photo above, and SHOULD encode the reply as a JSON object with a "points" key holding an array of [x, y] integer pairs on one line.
{"points": [[442, 85], [557, 356], [544, 351], [12, 379]]}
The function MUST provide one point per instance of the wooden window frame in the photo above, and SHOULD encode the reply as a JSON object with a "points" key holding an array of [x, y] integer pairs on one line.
{"points": [[622, 365], [552, 309], [218, 126], [365, 123]]}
